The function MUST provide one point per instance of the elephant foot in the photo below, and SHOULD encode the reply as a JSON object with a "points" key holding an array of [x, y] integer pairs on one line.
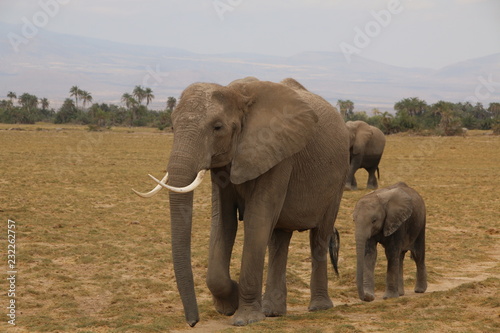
{"points": [[320, 303], [369, 297], [247, 315], [228, 305], [391, 294], [401, 290], [421, 288], [274, 303], [371, 187], [270, 309]]}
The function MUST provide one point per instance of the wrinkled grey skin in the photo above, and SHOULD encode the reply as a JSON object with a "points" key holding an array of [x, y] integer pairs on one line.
{"points": [[365, 151], [278, 156], [394, 217]]}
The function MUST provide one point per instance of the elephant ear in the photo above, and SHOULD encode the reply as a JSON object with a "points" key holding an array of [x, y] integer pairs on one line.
{"points": [[277, 125], [398, 207], [363, 134]]}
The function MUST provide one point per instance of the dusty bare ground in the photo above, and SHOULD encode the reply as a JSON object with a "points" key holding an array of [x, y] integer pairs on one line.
{"points": [[475, 272], [95, 258], [453, 274]]}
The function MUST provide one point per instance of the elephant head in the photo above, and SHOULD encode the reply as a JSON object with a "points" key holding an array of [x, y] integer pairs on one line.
{"points": [[248, 127], [376, 216], [360, 134]]}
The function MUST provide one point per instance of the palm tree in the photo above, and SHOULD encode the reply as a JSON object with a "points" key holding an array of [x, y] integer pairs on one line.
{"points": [[67, 112], [414, 106], [171, 102], [346, 108], [387, 119], [29, 109], [442, 108], [148, 94], [44, 102], [86, 97], [12, 95], [449, 121], [131, 104], [75, 92], [28, 101], [139, 94], [129, 100]]}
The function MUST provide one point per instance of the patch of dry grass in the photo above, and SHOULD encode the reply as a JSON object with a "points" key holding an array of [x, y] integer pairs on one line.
{"points": [[93, 257]]}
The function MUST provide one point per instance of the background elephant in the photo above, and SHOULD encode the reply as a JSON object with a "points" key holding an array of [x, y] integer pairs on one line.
{"points": [[394, 217], [366, 147], [258, 140]]}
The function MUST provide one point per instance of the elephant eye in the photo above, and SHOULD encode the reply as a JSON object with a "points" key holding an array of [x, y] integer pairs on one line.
{"points": [[217, 126]]}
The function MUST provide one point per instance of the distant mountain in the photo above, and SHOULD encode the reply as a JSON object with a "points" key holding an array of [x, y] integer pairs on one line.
{"points": [[50, 63]]}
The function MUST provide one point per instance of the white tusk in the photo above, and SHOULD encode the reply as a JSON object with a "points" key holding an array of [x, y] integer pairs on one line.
{"points": [[153, 191], [189, 188]]}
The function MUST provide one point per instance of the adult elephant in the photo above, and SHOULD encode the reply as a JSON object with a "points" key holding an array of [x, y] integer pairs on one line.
{"points": [[278, 157], [366, 147], [394, 217]]}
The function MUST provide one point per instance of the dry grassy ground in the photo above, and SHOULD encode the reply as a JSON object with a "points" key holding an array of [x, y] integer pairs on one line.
{"points": [[93, 257]]}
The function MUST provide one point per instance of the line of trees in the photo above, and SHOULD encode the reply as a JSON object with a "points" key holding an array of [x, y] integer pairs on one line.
{"points": [[28, 109], [441, 118]]}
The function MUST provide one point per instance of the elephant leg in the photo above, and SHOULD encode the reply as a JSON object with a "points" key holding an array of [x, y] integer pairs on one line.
{"points": [[372, 179], [274, 302], [369, 270], [354, 165], [257, 233], [222, 236], [418, 255], [262, 210], [319, 241], [354, 183], [401, 283], [392, 278]]}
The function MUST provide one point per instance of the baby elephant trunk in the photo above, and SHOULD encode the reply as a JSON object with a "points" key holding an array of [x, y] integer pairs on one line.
{"points": [[360, 264]]}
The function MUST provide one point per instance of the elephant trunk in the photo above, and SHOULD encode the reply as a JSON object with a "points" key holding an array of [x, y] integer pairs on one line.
{"points": [[360, 264], [182, 171], [181, 210]]}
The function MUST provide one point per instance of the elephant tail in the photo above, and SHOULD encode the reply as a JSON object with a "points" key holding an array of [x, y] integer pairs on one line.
{"points": [[378, 173], [334, 250]]}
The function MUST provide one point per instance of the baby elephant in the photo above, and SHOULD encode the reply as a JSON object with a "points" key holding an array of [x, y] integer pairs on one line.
{"points": [[394, 217]]}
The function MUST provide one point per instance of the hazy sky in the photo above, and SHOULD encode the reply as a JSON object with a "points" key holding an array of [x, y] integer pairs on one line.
{"points": [[410, 33]]}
